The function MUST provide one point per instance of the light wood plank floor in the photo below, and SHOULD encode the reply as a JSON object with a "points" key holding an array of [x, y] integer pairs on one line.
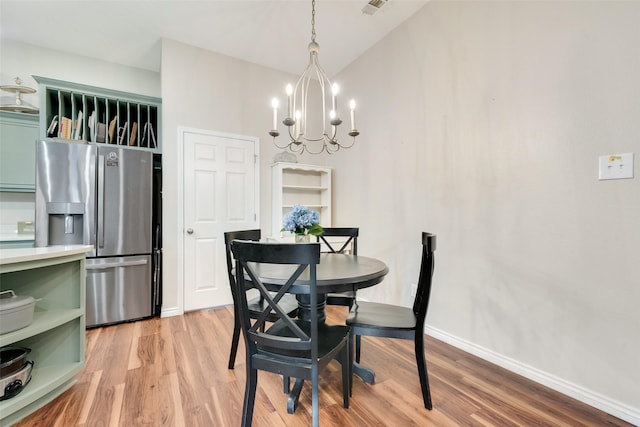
{"points": [[173, 372]]}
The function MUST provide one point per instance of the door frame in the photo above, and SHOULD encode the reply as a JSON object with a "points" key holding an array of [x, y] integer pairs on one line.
{"points": [[180, 230]]}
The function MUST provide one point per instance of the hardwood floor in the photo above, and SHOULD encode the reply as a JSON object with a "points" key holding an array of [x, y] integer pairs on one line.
{"points": [[173, 372]]}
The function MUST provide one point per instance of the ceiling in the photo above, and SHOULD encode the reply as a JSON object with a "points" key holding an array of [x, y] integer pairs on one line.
{"points": [[266, 32]]}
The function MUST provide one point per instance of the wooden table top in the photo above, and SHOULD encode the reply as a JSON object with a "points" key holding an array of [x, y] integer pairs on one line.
{"points": [[335, 273]]}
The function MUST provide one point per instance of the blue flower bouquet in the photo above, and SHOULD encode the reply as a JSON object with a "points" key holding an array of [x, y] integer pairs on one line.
{"points": [[302, 221]]}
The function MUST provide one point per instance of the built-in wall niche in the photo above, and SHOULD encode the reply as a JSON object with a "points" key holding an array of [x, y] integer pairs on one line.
{"points": [[99, 116], [16, 207]]}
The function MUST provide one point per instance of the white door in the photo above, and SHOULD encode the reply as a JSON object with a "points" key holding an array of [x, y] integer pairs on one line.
{"points": [[220, 194]]}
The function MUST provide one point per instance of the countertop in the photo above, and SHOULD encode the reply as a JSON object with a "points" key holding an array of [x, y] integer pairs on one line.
{"points": [[12, 256]]}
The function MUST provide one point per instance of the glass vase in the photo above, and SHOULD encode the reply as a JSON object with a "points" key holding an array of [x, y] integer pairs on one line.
{"points": [[303, 238]]}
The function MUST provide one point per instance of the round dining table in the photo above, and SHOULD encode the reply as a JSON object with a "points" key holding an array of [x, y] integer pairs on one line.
{"points": [[334, 273]]}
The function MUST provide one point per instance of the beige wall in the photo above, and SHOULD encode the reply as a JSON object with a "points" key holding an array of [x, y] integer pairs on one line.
{"points": [[482, 122]]}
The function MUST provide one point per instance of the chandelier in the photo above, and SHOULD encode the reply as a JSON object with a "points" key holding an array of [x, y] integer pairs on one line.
{"points": [[313, 85]]}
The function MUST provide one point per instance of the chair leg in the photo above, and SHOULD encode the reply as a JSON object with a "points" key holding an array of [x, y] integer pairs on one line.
{"points": [[345, 361], [351, 361], [358, 342], [249, 396], [422, 370], [315, 403], [234, 343]]}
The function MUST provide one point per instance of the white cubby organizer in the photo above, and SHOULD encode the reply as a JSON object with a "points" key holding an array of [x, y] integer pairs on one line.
{"points": [[295, 183]]}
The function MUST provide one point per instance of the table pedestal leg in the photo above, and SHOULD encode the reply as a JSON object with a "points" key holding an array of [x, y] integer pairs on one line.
{"points": [[304, 313], [366, 374], [304, 308]]}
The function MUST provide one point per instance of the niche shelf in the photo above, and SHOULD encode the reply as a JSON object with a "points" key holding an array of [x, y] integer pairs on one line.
{"points": [[99, 116]]}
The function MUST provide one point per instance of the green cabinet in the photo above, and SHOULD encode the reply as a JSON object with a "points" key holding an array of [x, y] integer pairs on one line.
{"points": [[56, 277], [18, 135], [16, 244]]}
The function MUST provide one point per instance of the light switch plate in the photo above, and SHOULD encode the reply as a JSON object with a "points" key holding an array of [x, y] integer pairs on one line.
{"points": [[615, 166]]}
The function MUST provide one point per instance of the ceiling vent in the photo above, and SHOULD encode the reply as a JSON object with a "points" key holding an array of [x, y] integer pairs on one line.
{"points": [[373, 6]]}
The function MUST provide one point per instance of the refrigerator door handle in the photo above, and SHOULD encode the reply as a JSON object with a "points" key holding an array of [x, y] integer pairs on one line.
{"points": [[156, 276], [116, 264], [100, 201]]}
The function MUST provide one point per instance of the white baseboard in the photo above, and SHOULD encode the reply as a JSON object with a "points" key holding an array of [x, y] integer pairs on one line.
{"points": [[610, 406], [171, 312]]}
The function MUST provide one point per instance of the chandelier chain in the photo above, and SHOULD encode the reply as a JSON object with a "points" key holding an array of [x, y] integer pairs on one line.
{"points": [[313, 20]]}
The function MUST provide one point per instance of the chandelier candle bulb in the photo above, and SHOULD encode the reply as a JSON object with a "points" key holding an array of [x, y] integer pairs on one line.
{"points": [[290, 107], [352, 106], [274, 104], [332, 116], [298, 127], [335, 90]]}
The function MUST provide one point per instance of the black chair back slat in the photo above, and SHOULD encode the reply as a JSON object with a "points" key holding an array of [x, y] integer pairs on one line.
{"points": [[421, 301], [229, 237], [272, 305], [350, 232], [341, 298], [280, 253], [248, 253]]}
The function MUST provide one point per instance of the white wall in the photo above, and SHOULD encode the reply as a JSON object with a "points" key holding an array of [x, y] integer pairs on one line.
{"points": [[25, 60], [207, 90], [482, 122]]}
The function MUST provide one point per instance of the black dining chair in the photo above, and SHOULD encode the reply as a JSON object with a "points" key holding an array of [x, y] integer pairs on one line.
{"points": [[391, 321], [347, 243], [255, 305], [290, 347]]}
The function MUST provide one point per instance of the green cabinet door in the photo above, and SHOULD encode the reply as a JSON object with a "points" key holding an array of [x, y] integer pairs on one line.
{"points": [[18, 136]]}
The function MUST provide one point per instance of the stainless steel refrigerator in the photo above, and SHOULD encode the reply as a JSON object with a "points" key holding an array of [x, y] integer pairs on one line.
{"points": [[100, 195]]}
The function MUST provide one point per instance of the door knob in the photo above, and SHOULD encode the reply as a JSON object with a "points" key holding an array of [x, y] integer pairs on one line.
{"points": [[189, 230]]}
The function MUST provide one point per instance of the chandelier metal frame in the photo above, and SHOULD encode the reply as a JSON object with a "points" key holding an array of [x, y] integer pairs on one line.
{"points": [[297, 108]]}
